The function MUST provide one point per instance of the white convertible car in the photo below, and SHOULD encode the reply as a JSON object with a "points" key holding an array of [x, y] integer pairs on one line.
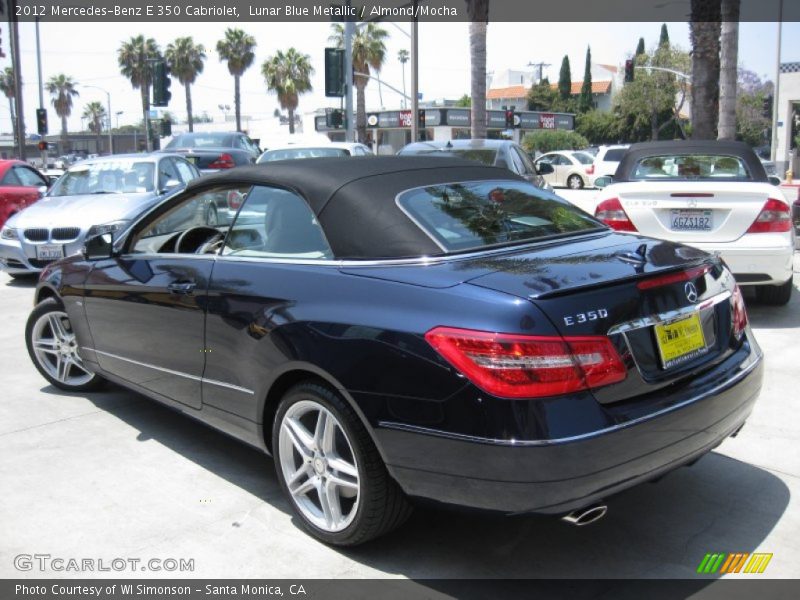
{"points": [[712, 195]]}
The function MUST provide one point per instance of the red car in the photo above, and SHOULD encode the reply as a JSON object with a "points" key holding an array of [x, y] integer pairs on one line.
{"points": [[20, 185]]}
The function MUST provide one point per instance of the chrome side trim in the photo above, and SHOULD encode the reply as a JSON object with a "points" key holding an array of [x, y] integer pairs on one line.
{"points": [[229, 386], [575, 438], [670, 315]]}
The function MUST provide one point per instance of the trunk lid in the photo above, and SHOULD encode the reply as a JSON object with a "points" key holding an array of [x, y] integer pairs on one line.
{"points": [[693, 211]]}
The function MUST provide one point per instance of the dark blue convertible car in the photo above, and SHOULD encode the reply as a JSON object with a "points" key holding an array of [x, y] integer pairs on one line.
{"points": [[395, 329]]}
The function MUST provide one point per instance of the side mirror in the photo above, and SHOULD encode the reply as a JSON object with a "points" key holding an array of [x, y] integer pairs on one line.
{"points": [[544, 168], [774, 180], [603, 181], [99, 247]]}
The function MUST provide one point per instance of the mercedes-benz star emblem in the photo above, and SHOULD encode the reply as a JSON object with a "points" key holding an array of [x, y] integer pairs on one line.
{"points": [[691, 292]]}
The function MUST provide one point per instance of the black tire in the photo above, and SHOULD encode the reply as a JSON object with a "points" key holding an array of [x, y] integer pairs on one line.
{"points": [[212, 218], [45, 307], [775, 295], [382, 505], [575, 182]]}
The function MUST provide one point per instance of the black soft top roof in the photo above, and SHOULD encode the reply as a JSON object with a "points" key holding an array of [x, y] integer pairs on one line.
{"points": [[354, 198], [738, 149]]}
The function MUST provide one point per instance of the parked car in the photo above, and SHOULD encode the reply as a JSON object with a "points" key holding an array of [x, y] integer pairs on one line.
{"points": [[570, 169], [401, 327], [93, 196], [498, 153], [295, 151], [214, 151], [20, 185], [712, 195], [608, 158]]}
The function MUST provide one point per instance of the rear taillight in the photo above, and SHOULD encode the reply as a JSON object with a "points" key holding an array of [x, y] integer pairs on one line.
{"points": [[590, 169], [521, 366], [738, 312], [662, 280], [223, 161], [612, 214], [773, 218], [235, 199]]}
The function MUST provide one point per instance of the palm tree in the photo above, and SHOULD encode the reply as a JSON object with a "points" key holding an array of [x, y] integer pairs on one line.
{"points": [[185, 61], [132, 57], [478, 11], [704, 31], [9, 88], [62, 88], [729, 57], [96, 114], [402, 56], [369, 52], [237, 50], [288, 75]]}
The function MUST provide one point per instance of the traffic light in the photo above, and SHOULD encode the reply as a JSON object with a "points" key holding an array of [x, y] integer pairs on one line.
{"points": [[41, 121], [767, 107], [629, 70], [334, 72], [334, 119], [42, 145], [161, 84], [509, 119], [166, 128], [421, 118]]}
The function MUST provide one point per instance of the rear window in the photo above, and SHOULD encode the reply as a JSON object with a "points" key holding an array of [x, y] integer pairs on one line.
{"points": [[615, 154], [583, 158], [201, 140], [470, 215], [690, 166], [295, 153], [485, 156]]}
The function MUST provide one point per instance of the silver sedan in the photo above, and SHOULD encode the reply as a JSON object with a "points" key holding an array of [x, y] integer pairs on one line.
{"points": [[94, 196]]}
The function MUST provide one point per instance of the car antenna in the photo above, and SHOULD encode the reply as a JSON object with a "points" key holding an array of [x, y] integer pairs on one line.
{"points": [[448, 145]]}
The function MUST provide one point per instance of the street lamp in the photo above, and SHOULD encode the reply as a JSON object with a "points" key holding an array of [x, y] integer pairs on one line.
{"points": [[118, 113], [108, 99], [224, 108]]}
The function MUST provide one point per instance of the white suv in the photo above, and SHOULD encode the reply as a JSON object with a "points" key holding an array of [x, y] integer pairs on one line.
{"points": [[608, 159]]}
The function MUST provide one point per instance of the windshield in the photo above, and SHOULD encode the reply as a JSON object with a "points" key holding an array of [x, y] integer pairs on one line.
{"points": [[485, 156], [690, 166], [470, 215], [293, 153], [201, 140], [107, 177]]}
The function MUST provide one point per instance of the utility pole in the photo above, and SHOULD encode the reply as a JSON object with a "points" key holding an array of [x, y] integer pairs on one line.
{"points": [[540, 68], [414, 77], [773, 151], [41, 87], [349, 30], [13, 27]]}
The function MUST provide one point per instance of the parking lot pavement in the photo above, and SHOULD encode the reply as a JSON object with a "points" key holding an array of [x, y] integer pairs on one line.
{"points": [[114, 475]]}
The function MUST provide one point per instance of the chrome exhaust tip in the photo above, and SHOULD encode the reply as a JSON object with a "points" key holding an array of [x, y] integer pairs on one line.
{"points": [[586, 515]]}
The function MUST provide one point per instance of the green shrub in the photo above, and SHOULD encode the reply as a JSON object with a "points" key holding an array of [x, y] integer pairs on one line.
{"points": [[553, 139]]}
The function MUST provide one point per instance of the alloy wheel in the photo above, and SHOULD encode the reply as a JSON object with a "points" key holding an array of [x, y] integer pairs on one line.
{"points": [[319, 466], [56, 349]]}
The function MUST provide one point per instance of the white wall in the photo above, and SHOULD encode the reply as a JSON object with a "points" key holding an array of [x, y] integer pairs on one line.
{"points": [[788, 93]]}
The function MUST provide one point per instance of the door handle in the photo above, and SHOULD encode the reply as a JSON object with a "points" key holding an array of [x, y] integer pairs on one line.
{"points": [[182, 287]]}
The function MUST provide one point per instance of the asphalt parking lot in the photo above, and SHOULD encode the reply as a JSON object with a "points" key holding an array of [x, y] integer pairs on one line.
{"points": [[112, 474]]}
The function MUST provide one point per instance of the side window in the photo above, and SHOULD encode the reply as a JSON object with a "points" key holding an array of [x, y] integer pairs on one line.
{"points": [[276, 223], [29, 177], [166, 171], [515, 160], [10, 178], [526, 162], [162, 233], [185, 170]]}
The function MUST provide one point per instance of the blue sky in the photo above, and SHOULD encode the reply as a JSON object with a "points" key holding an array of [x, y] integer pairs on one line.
{"points": [[87, 52]]}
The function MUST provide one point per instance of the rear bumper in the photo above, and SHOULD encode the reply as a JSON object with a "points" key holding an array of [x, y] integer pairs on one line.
{"points": [[757, 259], [552, 476]]}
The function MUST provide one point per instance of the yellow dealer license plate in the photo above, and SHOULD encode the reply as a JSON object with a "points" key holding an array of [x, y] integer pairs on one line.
{"points": [[681, 340]]}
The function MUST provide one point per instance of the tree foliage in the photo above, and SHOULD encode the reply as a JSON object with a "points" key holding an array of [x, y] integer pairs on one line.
{"points": [[640, 49], [553, 139], [542, 96], [565, 79], [599, 127], [288, 74], [751, 121], [585, 102], [663, 40]]}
